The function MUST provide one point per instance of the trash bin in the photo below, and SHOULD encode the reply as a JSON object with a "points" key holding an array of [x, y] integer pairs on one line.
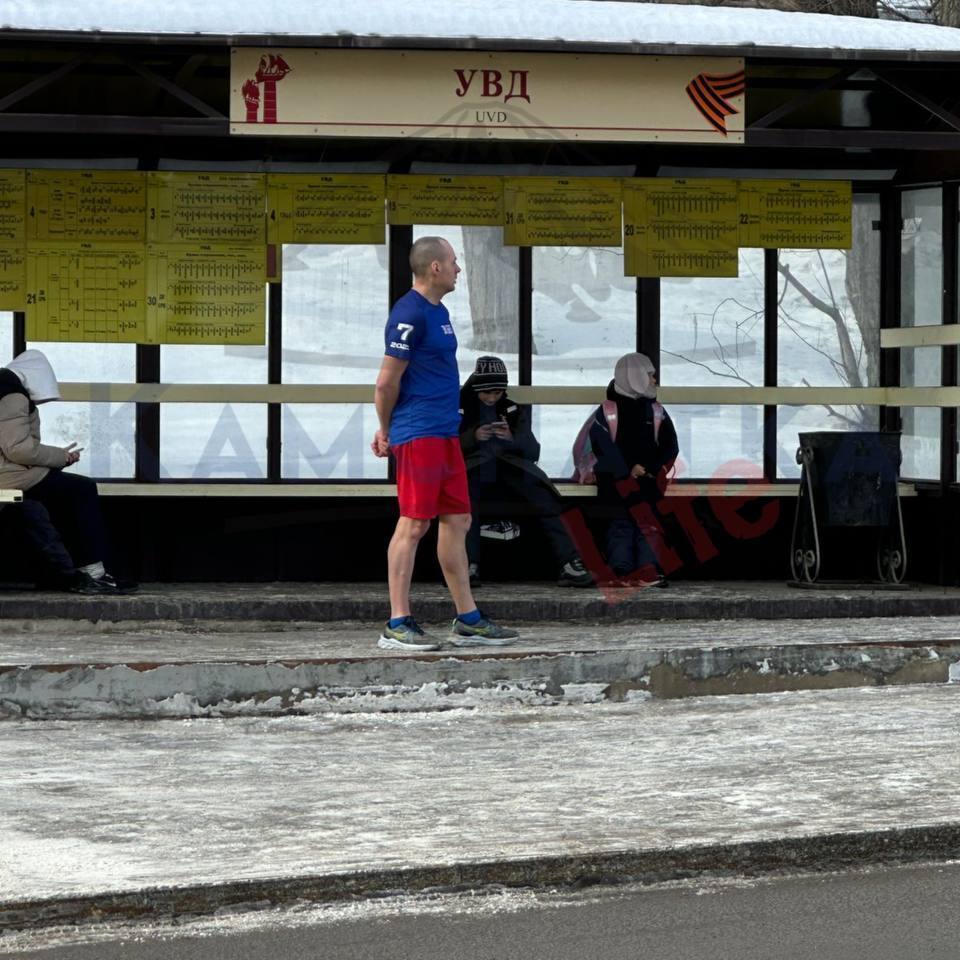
{"points": [[848, 479], [853, 475]]}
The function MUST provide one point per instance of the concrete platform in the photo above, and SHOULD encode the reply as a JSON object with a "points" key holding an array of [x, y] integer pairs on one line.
{"points": [[207, 666], [525, 602]]}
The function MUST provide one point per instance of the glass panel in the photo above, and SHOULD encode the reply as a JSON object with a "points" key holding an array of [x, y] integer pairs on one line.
{"points": [[920, 367], [724, 442], [584, 314], [330, 440], [829, 330], [921, 257], [711, 330], [794, 420], [711, 334], [334, 312], [484, 307], [211, 441], [920, 442], [335, 302], [90, 362], [6, 337], [921, 289], [828, 321], [556, 427], [106, 431]]}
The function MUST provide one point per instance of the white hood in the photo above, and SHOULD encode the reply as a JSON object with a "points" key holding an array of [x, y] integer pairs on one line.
{"points": [[36, 374]]}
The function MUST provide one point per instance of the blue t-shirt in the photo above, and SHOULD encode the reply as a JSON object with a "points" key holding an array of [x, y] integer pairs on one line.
{"points": [[420, 332]]}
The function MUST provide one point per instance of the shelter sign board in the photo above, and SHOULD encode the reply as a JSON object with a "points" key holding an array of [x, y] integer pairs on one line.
{"points": [[206, 207], [441, 199], [13, 278], [80, 206], [325, 208], [560, 211], [680, 228], [206, 293], [85, 292], [477, 95], [796, 214], [13, 206]]}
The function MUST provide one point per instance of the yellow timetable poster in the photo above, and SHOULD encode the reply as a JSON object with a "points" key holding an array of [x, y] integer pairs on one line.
{"points": [[13, 206], [206, 208], [79, 206], [557, 211], [796, 214], [207, 293], [680, 228], [325, 208], [92, 293], [441, 199], [13, 278]]}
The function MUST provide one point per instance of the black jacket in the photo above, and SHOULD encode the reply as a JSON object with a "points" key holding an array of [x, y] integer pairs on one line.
{"points": [[521, 453], [635, 443]]}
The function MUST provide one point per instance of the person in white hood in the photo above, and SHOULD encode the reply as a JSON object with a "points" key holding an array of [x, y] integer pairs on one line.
{"points": [[61, 511]]}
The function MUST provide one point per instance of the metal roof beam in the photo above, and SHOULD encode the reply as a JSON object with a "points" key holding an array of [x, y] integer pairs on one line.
{"points": [[859, 139], [951, 119], [151, 76], [41, 82], [803, 99], [110, 125]]}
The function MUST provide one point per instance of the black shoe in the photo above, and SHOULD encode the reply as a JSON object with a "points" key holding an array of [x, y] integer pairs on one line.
{"points": [[575, 574], [662, 582], [100, 586]]}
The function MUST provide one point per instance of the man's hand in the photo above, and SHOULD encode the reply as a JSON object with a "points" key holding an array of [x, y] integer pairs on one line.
{"points": [[502, 430], [484, 432], [380, 444], [637, 470], [72, 455]]}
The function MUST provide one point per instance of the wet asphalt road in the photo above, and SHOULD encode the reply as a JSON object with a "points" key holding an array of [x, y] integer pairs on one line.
{"points": [[881, 914]]}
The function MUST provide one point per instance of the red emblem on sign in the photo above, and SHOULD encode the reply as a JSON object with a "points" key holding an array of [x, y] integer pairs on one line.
{"points": [[273, 68]]}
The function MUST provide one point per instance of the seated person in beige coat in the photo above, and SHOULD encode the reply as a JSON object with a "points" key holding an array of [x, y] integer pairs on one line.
{"points": [[61, 511]]}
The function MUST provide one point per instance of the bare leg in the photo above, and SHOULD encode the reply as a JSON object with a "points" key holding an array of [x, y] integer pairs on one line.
{"points": [[452, 554], [400, 558]]}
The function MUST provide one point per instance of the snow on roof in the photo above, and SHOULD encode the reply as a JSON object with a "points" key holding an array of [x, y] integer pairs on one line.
{"points": [[562, 22]]}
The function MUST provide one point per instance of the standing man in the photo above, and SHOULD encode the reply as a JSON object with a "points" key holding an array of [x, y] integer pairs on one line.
{"points": [[417, 399]]}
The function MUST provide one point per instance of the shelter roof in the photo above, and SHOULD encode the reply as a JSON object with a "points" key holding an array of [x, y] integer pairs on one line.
{"points": [[587, 25]]}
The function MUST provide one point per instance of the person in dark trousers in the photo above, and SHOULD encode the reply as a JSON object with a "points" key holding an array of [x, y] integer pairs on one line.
{"points": [[501, 454], [632, 470], [61, 516]]}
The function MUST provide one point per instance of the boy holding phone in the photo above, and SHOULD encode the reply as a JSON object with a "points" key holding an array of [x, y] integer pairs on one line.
{"points": [[501, 455]]}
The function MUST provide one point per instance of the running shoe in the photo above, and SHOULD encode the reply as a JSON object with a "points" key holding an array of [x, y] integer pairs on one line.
{"points": [[408, 635], [483, 633]]}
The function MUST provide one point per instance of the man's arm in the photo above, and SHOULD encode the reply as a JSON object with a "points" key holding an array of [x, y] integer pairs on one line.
{"points": [[385, 399]]}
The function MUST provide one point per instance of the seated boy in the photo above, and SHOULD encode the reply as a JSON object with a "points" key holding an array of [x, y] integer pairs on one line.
{"points": [[501, 455]]}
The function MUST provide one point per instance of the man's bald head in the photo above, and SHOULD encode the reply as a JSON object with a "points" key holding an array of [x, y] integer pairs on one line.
{"points": [[424, 252]]}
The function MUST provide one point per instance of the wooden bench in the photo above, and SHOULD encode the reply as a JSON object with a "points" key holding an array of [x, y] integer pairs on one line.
{"points": [[191, 488]]}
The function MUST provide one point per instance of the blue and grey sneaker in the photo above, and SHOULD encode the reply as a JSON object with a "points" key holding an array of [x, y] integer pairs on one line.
{"points": [[484, 633], [408, 635]]}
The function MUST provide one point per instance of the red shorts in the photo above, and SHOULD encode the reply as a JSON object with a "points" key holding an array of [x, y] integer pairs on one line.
{"points": [[431, 478]]}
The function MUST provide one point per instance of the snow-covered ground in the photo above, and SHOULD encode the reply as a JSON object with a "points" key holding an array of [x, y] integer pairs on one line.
{"points": [[124, 805]]}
